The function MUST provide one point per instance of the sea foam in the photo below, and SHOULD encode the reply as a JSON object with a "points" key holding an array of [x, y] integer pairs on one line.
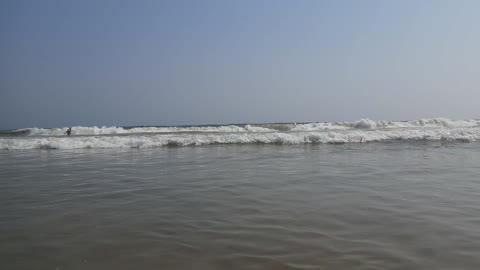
{"points": [[361, 131], [254, 128]]}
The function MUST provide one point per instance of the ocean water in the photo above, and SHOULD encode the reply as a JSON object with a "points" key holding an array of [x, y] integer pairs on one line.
{"points": [[360, 195]]}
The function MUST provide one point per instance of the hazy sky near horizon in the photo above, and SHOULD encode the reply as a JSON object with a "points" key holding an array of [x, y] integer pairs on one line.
{"points": [[69, 63]]}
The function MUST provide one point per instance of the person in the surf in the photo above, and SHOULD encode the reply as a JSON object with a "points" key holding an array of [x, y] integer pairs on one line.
{"points": [[69, 131]]}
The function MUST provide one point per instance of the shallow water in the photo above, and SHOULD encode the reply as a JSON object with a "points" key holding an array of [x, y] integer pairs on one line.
{"points": [[390, 205]]}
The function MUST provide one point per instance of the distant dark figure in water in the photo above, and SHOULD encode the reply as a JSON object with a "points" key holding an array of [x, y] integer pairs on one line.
{"points": [[69, 131]]}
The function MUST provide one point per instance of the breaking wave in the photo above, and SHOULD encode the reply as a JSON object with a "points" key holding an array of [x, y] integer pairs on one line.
{"points": [[361, 131], [250, 128]]}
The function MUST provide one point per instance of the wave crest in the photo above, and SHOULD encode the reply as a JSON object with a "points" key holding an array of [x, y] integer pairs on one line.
{"points": [[251, 128], [186, 139]]}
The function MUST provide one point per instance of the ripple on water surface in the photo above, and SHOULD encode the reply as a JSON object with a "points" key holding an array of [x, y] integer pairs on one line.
{"points": [[367, 206]]}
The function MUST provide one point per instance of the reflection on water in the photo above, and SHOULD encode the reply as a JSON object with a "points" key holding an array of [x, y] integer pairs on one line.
{"points": [[365, 206]]}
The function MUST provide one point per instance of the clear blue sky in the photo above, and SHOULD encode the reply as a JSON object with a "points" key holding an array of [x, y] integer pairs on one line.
{"points": [[177, 62]]}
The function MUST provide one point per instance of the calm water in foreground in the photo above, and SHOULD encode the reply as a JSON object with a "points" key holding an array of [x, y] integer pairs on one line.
{"points": [[390, 205]]}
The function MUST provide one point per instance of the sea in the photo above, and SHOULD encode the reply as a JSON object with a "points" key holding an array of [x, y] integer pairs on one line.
{"points": [[343, 195]]}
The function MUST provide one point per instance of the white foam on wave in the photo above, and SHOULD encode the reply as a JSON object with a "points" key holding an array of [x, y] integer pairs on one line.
{"points": [[79, 130], [184, 139], [255, 128], [435, 122]]}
